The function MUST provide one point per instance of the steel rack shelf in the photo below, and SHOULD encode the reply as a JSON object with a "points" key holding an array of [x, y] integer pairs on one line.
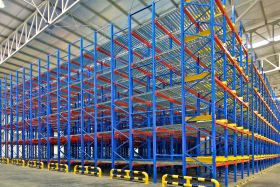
{"points": [[119, 104]]}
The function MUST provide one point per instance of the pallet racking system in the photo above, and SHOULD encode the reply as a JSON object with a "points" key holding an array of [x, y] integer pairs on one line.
{"points": [[119, 104]]}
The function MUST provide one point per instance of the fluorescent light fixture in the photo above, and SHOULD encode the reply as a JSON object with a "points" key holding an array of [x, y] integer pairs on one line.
{"points": [[264, 42], [277, 38], [259, 44], [2, 5]]}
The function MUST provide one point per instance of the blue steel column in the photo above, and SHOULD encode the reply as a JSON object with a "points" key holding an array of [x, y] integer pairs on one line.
{"points": [[82, 102], [252, 91], [248, 109], [31, 116], [1, 132], [6, 120], [113, 120], [212, 89], [184, 170], [149, 120], [241, 95], [69, 108], [48, 110], [23, 114], [39, 110], [154, 95], [17, 116], [225, 94], [11, 117], [257, 120], [171, 116], [58, 105], [130, 86], [234, 99], [95, 99]]}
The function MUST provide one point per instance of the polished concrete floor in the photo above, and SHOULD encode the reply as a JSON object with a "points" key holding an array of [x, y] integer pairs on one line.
{"points": [[18, 176], [267, 179]]}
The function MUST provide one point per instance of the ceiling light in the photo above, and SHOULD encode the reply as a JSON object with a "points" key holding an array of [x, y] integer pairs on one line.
{"points": [[277, 38], [2, 5], [259, 44]]}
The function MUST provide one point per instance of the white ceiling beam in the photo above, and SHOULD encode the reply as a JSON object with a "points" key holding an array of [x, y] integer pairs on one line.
{"points": [[246, 11], [25, 33], [229, 9], [243, 4], [271, 43], [275, 54], [264, 25], [270, 63], [270, 71], [265, 20], [261, 36]]}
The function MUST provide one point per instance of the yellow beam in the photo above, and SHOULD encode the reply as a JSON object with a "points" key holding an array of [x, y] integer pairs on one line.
{"points": [[193, 37], [215, 16], [196, 77], [199, 118], [223, 120], [244, 109], [224, 82], [232, 124]]}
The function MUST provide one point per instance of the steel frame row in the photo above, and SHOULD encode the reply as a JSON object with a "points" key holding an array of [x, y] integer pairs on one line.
{"points": [[119, 104]]}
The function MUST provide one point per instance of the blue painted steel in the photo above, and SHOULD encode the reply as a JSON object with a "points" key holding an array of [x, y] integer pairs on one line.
{"points": [[23, 114], [113, 95], [241, 107], [82, 150], [213, 112], [1, 125], [225, 95], [6, 120], [31, 114], [154, 95], [253, 109], [39, 112], [69, 109], [58, 105], [234, 100], [130, 93], [95, 99], [17, 117], [11, 118], [184, 171], [48, 111]]}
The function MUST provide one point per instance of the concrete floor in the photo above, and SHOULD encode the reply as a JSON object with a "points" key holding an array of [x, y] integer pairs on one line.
{"points": [[267, 179], [14, 176]]}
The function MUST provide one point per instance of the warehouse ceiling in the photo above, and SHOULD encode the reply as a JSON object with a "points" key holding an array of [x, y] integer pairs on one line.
{"points": [[262, 22]]}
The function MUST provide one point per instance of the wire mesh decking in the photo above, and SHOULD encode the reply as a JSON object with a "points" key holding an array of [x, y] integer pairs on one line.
{"points": [[119, 104]]}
